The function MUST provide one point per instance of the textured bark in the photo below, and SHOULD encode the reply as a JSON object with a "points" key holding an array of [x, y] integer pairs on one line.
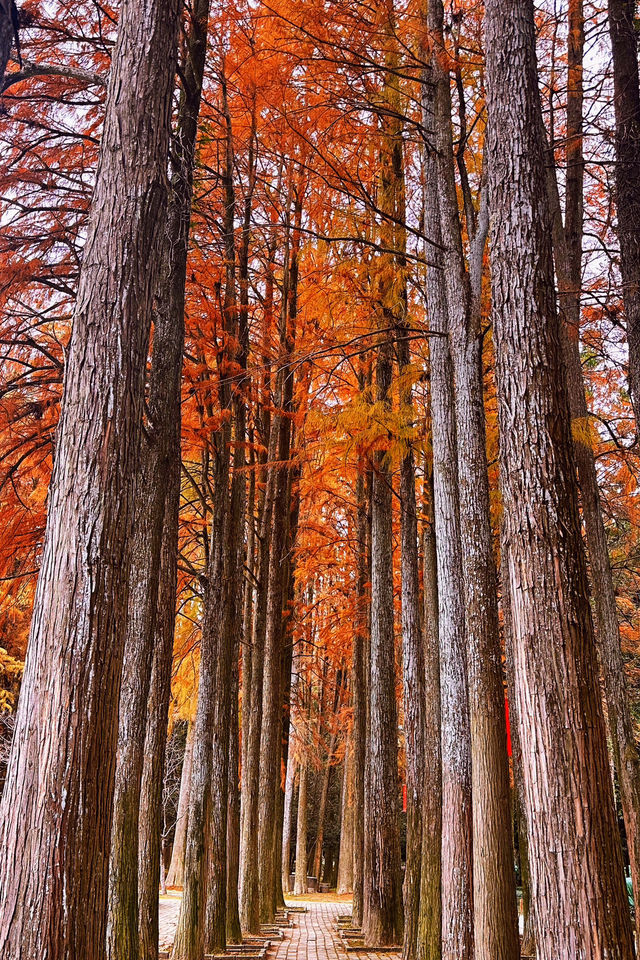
{"points": [[494, 899], [301, 831], [527, 945], [358, 685], [175, 875], [457, 859], [412, 640], [226, 698], [382, 919], [150, 839], [430, 914], [567, 238], [624, 46], [382, 915], [289, 780], [576, 862], [54, 859], [270, 740], [234, 932], [345, 856], [249, 877], [160, 447]]}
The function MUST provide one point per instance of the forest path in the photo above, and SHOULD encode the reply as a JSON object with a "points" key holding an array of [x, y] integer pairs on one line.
{"points": [[313, 935]]}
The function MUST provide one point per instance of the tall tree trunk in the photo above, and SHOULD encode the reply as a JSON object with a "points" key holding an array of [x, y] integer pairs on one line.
{"points": [[457, 856], [382, 916], [54, 856], [322, 809], [576, 862], [430, 914], [567, 238], [175, 875], [624, 46], [412, 640], [150, 840], [290, 779], [494, 895], [382, 920], [249, 877], [301, 831], [270, 740], [234, 932], [358, 685], [345, 856]]}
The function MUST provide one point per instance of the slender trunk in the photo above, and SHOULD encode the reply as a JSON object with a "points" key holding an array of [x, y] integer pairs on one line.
{"points": [[527, 945], [150, 840], [430, 914], [579, 896], [568, 257], [457, 856], [54, 855], [322, 808], [270, 740], [175, 875], [382, 920], [382, 916], [358, 684], [249, 878], [412, 640], [345, 856], [494, 896], [301, 831], [624, 47], [234, 932], [289, 781]]}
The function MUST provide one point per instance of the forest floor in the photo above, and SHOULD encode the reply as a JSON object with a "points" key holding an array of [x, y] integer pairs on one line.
{"points": [[313, 935]]}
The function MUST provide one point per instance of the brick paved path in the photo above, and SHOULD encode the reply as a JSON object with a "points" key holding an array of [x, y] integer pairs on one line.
{"points": [[312, 937]]}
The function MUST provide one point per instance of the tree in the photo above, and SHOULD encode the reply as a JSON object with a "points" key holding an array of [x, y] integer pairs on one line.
{"points": [[626, 87], [579, 897], [54, 857]]}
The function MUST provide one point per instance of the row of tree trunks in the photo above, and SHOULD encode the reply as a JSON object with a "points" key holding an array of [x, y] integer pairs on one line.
{"points": [[55, 906], [494, 901], [455, 733], [580, 903], [567, 238]]}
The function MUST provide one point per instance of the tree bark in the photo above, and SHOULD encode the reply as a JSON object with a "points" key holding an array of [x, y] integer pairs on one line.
{"points": [[358, 684], [567, 238], [494, 895], [270, 739], [234, 931], [301, 831], [624, 47], [345, 856], [455, 733], [430, 914], [576, 862], [382, 915], [54, 857], [150, 841]]}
